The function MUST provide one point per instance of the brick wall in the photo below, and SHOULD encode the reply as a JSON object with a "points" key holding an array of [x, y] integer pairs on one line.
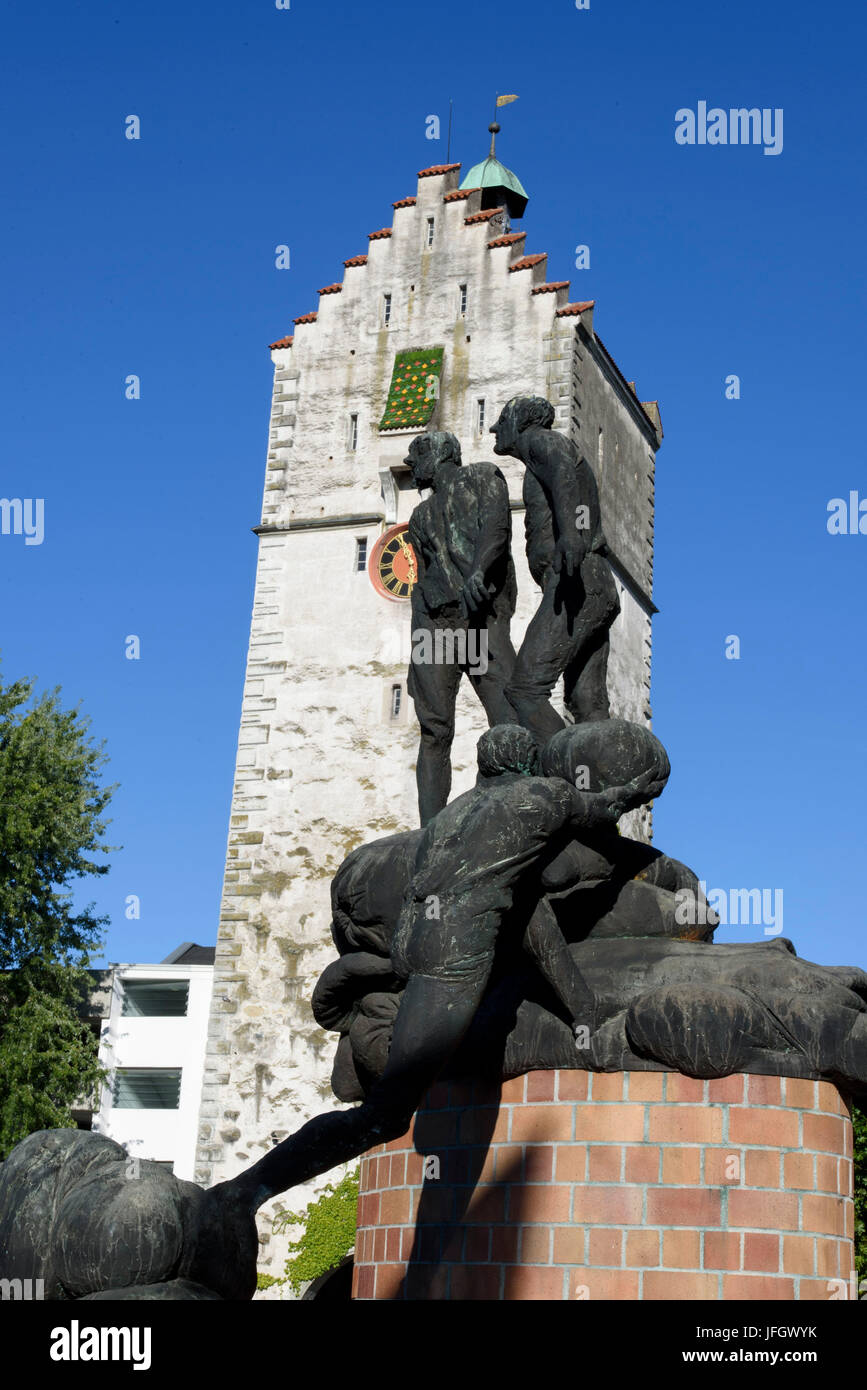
{"points": [[638, 1185]]}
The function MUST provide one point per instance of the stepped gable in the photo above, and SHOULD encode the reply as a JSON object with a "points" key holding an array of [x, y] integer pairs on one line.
{"points": [[512, 242]]}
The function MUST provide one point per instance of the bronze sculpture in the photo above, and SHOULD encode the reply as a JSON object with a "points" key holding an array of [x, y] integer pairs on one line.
{"points": [[566, 552], [462, 602]]}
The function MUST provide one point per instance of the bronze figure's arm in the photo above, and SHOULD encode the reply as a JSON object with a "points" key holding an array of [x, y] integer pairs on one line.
{"points": [[493, 539], [552, 462]]}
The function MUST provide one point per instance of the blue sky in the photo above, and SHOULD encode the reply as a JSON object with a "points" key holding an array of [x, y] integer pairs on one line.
{"points": [[262, 126]]}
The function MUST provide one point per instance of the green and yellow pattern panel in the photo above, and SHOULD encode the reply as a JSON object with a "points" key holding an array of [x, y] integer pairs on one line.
{"points": [[414, 390]]}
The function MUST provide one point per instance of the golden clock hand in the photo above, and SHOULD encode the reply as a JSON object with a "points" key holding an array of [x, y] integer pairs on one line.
{"points": [[410, 559]]}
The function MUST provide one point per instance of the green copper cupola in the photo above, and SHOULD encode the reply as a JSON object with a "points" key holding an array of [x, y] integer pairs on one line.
{"points": [[500, 187]]}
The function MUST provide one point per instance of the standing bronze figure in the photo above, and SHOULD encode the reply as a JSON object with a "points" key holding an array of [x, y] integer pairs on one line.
{"points": [[566, 551], [462, 604]]}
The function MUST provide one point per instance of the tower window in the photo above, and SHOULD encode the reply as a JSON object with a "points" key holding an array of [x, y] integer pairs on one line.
{"points": [[352, 438], [480, 416], [386, 309], [463, 301], [430, 231], [360, 553], [396, 700]]}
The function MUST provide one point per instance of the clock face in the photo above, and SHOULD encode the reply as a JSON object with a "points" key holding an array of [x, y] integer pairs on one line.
{"points": [[392, 568]]}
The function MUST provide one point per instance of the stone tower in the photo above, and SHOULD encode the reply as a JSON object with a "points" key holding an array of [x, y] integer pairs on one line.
{"points": [[448, 314]]}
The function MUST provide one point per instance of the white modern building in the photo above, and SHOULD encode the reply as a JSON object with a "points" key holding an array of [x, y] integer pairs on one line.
{"points": [[152, 1043]]}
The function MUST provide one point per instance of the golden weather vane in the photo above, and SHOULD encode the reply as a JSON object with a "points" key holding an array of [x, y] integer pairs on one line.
{"points": [[494, 126]]}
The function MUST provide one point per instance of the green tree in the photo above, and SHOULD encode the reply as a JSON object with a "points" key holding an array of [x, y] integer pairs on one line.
{"points": [[51, 827]]}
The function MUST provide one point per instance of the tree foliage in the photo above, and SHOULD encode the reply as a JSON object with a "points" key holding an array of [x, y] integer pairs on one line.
{"points": [[328, 1235], [51, 830]]}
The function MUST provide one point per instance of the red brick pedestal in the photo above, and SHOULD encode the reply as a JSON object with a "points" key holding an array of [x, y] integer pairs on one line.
{"points": [[625, 1185]]}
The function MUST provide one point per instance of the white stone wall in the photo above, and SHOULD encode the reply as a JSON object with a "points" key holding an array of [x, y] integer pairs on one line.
{"points": [[320, 765]]}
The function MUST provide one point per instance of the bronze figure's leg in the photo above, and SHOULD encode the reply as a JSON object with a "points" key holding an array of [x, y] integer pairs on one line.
{"points": [[542, 656], [544, 941], [499, 660], [434, 688], [585, 678], [433, 1018]]}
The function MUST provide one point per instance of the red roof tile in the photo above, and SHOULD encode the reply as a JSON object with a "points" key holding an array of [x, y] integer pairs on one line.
{"points": [[508, 240], [283, 342], [437, 169], [405, 203], [550, 287], [331, 289], [527, 262], [376, 236], [458, 195], [356, 260], [483, 216], [306, 318], [569, 309]]}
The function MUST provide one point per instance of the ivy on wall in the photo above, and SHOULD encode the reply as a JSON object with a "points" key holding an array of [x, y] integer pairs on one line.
{"points": [[328, 1234]]}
